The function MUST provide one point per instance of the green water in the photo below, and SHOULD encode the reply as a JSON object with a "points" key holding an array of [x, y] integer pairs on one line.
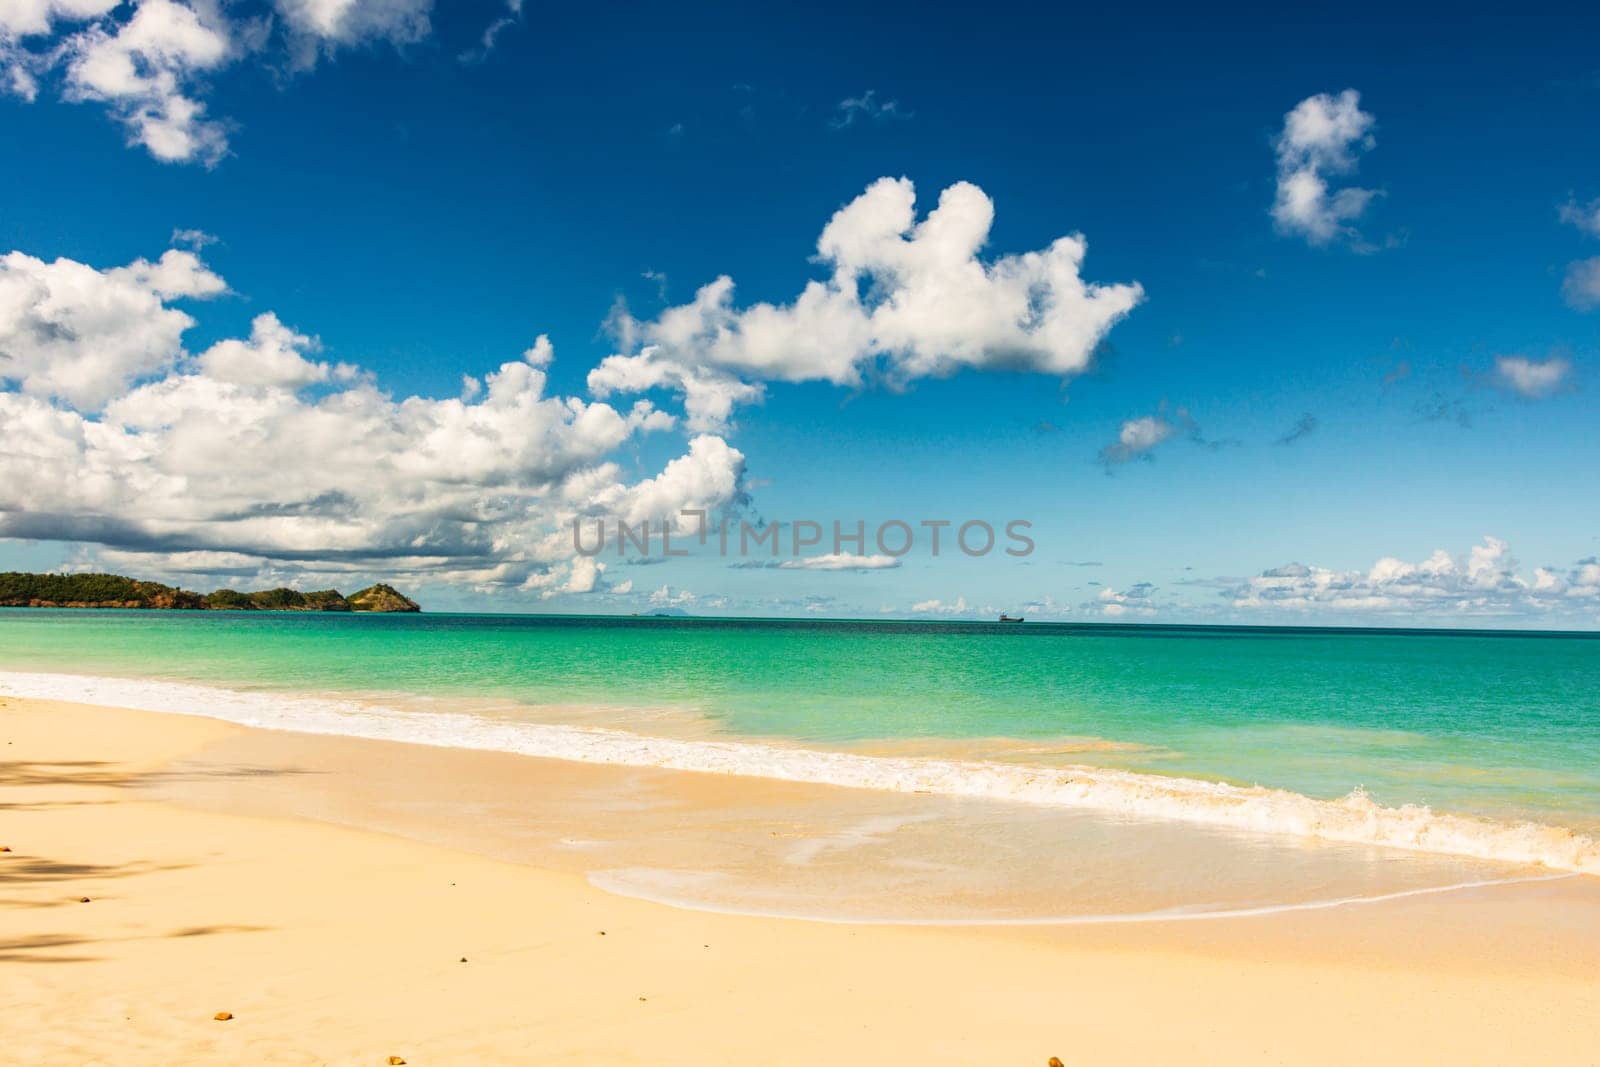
{"points": [[1497, 724]]}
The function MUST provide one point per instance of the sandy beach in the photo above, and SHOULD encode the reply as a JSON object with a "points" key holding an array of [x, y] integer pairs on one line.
{"points": [[346, 935]]}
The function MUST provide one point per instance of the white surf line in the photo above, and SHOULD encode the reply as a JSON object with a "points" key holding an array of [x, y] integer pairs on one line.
{"points": [[1354, 819], [600, 881]]}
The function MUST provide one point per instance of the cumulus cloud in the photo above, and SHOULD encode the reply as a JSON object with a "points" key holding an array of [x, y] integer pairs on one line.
{"points": [[1488, 581], [1581, 286], [274, 355], [149, 62], [868, 107], [252, 452], [1322, 138], [1532, 379], [144, 71], [77, 334], [912, 296]]}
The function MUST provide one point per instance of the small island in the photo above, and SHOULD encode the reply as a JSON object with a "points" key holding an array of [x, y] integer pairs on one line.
{"points": [[19, 590]]}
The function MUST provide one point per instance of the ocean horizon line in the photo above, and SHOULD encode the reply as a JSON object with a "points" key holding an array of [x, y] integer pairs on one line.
{"points": [[1021, 626]]}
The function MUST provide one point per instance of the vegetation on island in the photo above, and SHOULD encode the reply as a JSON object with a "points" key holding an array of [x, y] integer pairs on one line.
{"points": [[18, 590]]}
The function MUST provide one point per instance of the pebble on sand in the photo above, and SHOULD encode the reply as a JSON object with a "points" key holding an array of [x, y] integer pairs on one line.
{"points": [[396, 1060], [5, 848], [83, 900], [223, 1016], [1055, 1061]]}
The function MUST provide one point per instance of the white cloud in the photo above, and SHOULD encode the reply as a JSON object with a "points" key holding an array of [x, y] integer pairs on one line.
{"points": [[667, 597], [939, 607], [1585, 217], [1121, 603], [867, 107], [709, 474], [841, 561], [143, 70], [913, 295], [148, 61], [71, 332], [492, 32], [272, 356], [1532, 378], [1581, 287], [254, 453], [1487, 582], [318, 27], [709, 395], [20, 20], [1138, 438], [23, 18], [195, 240], [584, 574], [1322, 137]]}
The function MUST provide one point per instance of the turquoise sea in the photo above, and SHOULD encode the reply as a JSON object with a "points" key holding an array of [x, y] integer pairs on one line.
{"points": [[1503, 725], [1032, 772]]}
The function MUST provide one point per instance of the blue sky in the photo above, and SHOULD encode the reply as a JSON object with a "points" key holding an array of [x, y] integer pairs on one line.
{"points": [[425, 209]]}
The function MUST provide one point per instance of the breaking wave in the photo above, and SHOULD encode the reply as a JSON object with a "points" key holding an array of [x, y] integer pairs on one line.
{"points": [[1355, 818]]}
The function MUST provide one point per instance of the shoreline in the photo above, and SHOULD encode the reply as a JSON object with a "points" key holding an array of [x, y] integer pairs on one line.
{"points": [[332, 944], [1352, 819]]}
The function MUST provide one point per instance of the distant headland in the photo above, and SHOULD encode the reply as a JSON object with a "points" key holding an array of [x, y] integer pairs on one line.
{"points": [[19, 590]]}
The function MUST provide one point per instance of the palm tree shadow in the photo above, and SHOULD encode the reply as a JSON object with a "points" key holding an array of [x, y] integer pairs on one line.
{"points": [[39, 774], [43, 882], [46, 948]]}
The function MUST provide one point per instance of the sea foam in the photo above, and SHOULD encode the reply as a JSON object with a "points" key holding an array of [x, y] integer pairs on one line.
{"points": [[1355, 818]]}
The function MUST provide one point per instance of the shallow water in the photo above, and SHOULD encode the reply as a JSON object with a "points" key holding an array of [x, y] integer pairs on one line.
{"points": [[1461, 746]]}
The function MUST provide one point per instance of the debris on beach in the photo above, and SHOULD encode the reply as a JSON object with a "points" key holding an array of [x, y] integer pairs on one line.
{"points": [[223, 1016], [83, 900], [396, 1059], [1055, 1061]]}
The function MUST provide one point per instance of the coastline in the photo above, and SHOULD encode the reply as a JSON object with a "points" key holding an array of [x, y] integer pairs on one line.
{"points": [[1352, 819], [329, 943]]}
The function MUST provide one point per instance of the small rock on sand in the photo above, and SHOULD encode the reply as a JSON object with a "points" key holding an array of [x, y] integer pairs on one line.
{"points": [[223, 1016], [1055, 1061], [396, 1059], [83, 900]]}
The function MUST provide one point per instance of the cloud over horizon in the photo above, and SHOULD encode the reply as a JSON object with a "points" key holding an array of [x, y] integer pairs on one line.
{"points": [[1488, 582], [252, 453]]}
